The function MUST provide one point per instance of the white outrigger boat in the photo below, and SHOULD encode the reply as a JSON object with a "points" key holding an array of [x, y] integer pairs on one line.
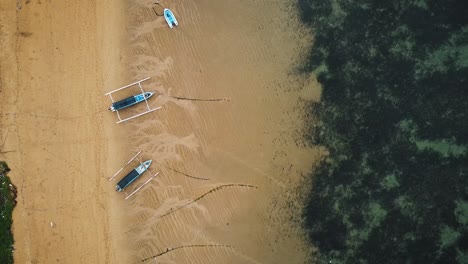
{"points": [[170, 18]]}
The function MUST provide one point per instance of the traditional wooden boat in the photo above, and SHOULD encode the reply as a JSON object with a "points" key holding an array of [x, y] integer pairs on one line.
{"points": [[132, 176], [129, 101]]}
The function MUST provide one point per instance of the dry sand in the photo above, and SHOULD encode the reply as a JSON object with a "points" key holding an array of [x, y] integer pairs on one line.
{"points": [[56, 59], [230, 168]]}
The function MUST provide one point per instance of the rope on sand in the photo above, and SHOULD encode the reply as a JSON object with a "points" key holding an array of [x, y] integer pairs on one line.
{"points": [[154, 10], [205, 194], [180, 247], [186, 175], [200, 99]]}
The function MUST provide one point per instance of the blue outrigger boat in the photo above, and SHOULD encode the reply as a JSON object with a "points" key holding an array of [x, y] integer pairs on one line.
{"points": [[132, 176], [170, 18], [129, 101]]}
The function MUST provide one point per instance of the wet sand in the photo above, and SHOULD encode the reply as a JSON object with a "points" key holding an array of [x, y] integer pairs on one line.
{"points": [[232, 160]]}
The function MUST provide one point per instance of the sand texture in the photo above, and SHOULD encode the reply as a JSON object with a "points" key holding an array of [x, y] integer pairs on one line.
{"points": [[57, 57], [227, 141], [231, 157]]}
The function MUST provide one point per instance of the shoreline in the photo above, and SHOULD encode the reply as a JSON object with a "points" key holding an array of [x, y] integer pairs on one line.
{"points": [[393, 119]]}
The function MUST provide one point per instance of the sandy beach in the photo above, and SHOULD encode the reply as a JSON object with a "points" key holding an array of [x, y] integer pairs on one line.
{"points": [[227, 141], [245, 148], [57, 59]]}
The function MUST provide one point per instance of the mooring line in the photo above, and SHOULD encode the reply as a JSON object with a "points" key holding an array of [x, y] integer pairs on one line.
{"points": [[198, 198], [205, 194], [190, 176], [199, 99], [180, 247], [156, 13]]}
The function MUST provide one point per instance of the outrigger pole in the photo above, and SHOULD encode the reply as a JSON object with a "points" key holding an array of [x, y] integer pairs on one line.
{"points": [[144, 98], [126, 86], [137, 189], [149, 111], [134, 157]]}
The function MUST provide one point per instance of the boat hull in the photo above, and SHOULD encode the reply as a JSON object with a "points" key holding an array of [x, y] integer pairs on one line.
{"points": [[132, 176], [127, 180], [129, 101], [170, 18]]}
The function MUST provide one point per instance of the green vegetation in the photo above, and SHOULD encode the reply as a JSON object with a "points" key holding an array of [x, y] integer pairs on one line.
{"points": [[394, 117], [7, 203]]}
